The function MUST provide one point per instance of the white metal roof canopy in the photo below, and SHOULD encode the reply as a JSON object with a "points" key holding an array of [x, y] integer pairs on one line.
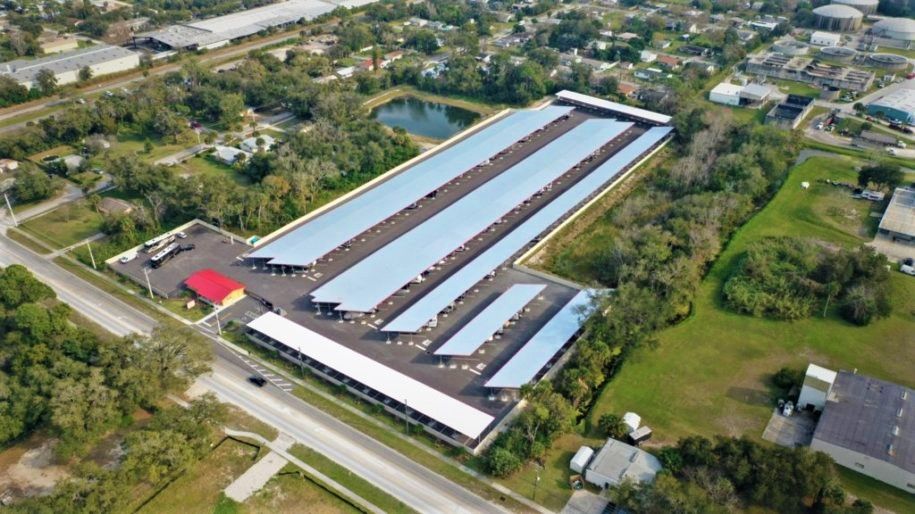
{"points": [[427, 307], [362, 287], [476, 332], [534, 355], [599, 103], [418, 396], [322, 234]]}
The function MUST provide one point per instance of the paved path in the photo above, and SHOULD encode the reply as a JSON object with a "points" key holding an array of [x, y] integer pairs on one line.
{"points": [[278, 448], [183, 155], [257, 476]]}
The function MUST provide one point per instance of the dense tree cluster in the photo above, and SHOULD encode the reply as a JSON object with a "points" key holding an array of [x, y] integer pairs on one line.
{"points": [[664, 239], [701, 475], [791, 278], [173, 440], [58, 375]]}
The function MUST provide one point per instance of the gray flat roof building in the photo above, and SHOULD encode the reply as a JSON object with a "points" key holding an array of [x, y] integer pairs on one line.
{"points": [[868, 425], [99, 58], [899, 219]]}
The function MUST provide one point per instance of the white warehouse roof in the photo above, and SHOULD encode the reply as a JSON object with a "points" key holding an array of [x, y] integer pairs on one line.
{"points": [[26, 70], [599, 103], [727, 89], [418, 396]]}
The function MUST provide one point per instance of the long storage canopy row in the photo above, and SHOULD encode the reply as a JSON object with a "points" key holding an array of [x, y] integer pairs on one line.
{"points": [[591, 102], [421, 312], [488, 322], [362, 287], [313, 240], [546, 343], [449, 411]]}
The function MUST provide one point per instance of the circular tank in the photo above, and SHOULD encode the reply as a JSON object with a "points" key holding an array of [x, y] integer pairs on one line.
{"points": [[902, 29], [838, 17], [888, 61], [790, 47], [838, 53], [865, 6]]}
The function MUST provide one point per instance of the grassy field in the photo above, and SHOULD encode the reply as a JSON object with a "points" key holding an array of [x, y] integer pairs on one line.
{"points": [[199, 489], [352, 482], [131, 143], [201, 165], [65, 225], [710, 374], [289, 491]]}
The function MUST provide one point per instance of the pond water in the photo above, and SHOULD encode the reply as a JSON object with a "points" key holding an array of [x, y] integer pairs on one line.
{"points": [[424, 118]]}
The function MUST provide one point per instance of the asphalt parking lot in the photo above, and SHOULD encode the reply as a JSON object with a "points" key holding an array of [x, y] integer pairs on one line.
{"points": [[412, 355], [212, 250]]}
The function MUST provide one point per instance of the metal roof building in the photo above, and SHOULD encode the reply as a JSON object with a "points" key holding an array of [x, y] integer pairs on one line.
{"points": [[899, 218], [100, 59], [868, 425], [395, 386], [362, 287], [219, 31], [898, 105], [588, 101], [492, 319], [331, 229], [543, 347], [429, 306], [617, 462]]}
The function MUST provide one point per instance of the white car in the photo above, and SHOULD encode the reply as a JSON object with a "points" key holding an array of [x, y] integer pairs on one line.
{"points": [[127, 258], [908, 270], [890, 150]]}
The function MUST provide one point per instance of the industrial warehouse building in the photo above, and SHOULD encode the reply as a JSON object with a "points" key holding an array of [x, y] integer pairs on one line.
{"points": [[898, 220], [897, 106], [100, 59], [868, 425], [453, 327], [820, 38], [837, 17], [221, 30]]}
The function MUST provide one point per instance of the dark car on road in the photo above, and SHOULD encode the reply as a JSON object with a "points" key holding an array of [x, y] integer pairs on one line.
{"points": [[258, 381]]}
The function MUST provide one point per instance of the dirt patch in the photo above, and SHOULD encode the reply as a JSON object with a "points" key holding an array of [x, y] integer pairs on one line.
{"points": [[30, 469]]}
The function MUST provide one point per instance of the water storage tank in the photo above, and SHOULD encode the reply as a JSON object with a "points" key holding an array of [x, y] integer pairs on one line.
{"points": [[838, 53], [838, 17], [865, 6], [888, 61], [901, 29]]}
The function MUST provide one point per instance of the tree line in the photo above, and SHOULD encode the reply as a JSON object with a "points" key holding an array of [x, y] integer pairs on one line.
{"points": [[724, 474], [62, 377]]}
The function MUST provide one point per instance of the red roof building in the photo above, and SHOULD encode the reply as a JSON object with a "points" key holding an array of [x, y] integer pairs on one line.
{"points": [[215, 288]]}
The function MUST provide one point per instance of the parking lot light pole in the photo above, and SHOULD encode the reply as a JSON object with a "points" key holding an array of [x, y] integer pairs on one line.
{"points": [[148, 283], [10, 207], [218, 324], [92, 257]]}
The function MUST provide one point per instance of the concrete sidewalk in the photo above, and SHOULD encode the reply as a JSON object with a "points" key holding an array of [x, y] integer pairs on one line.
{"points": [[260, 473]]}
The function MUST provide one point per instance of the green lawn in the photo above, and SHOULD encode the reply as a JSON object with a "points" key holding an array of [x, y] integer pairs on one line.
{"points": [[202, 165], [131, 143], [65, 225], [199, 489], [709, 374], [796, 88], [347, 479], [291, 491]]}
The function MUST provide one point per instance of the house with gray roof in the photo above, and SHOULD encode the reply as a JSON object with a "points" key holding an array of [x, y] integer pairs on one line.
{"points": [[868, 425]]}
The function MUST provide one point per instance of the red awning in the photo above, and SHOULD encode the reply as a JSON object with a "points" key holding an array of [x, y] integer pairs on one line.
{"points": [[212, 286]]}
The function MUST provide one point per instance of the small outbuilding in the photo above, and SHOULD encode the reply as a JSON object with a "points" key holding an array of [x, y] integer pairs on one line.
{"points": [[817, 382], [256, 144], [215, 288], [820, 38], [618, 461], [726, 93], [581, 459], [898, 220]]}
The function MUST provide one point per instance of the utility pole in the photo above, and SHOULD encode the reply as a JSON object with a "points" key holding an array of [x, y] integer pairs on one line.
{"points": [[92, 257], [218, 324], [148, 283], [536, 483], [406, 416], [10, 207]]}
